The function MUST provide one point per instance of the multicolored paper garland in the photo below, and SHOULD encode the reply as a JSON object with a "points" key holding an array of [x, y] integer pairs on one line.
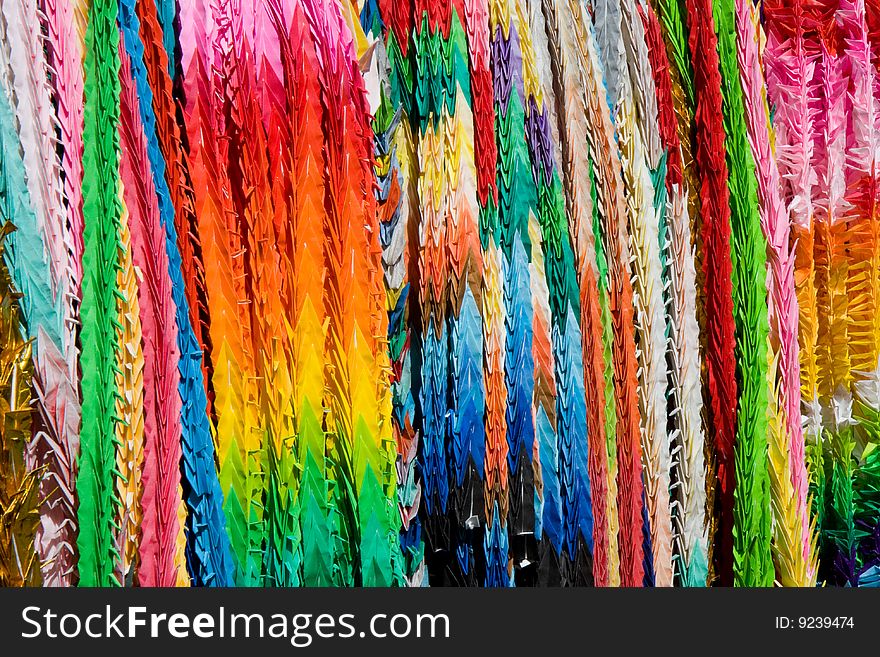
{"points": [[405, 293]]}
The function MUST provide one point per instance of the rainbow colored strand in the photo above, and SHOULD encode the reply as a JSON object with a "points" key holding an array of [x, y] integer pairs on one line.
{"points": [[424, 293]]}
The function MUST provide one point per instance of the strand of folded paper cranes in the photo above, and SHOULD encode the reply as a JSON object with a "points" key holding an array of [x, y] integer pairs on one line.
{"points": [[415, 292]]}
